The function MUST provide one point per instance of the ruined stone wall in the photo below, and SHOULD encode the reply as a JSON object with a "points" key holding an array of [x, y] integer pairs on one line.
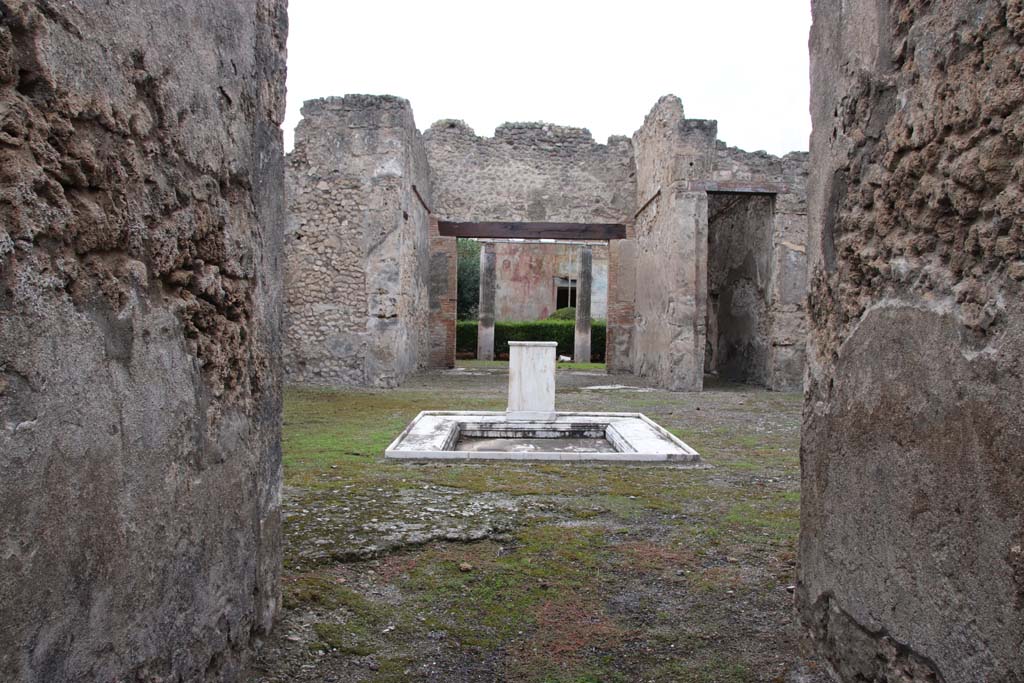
{"points": [[786, 275], [739, 270], [140, 212], [670, 258], [357, 244], [912, 518], [526, 275], [539, 172], [529, 172]]}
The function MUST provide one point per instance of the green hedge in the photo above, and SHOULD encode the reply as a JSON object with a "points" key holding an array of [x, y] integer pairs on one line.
{"points": [[561, 331]]}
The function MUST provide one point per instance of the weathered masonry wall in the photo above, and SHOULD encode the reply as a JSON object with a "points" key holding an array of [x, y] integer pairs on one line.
{"points": [[526, 275], [366, 289], [529, 172], [357, 244], [912, 518], [140, 299], [670, 294], [538, 172]]}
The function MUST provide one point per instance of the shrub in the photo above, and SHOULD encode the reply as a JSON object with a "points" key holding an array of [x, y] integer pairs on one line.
{"points": [[465, 336], [561, 331], [563, 314]]}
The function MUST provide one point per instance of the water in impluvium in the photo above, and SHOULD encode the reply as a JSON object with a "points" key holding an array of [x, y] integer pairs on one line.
{"points": [[531, 444]]}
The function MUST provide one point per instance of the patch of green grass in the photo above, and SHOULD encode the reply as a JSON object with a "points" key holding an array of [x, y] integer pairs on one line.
{"points": [[392, 670], [348, 638], [599, 676], [713, 671], [311, 590], [498, 599], [582, 366], [537, 599], [345, 428]]}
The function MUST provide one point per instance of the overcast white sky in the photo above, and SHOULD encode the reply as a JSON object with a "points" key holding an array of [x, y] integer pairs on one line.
{"points": [[597, 65]]}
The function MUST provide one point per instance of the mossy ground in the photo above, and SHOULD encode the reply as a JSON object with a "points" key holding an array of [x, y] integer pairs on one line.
{"points": [[538, 572]]}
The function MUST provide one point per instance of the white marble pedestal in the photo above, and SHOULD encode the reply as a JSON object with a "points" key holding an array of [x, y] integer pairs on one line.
{"points": [[531, 379]]}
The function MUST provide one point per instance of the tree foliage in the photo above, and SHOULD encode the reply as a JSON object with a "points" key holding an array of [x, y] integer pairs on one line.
{"points": [[469, 279]]}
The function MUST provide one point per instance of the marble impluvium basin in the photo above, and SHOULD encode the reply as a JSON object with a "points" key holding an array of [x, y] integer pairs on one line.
{"points": [[531, 428], [611, 437]]}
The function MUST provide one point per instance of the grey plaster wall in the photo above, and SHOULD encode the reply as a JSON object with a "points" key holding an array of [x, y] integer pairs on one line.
{"points": [[141, 203], [740, 230], [357, 244], [530, 172], [912, 518]]}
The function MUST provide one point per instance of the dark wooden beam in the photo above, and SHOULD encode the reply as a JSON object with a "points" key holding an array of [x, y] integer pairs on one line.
{"points": [[423, 201], [554, 231]]}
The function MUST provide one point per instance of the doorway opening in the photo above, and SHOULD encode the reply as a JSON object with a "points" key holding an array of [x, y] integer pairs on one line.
{"points": [[738, 341]]}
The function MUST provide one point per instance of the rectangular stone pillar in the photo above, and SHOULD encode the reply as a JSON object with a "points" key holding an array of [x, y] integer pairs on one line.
{"points": [[531, 378], [673, 156], [583, 286], [485, 326], [443, 298]]}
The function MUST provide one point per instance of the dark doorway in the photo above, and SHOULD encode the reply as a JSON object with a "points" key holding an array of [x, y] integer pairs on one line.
{"points": [[739, 263]]}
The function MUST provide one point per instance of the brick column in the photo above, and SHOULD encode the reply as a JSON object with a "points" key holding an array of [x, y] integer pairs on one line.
{"points": [[618, 350], [485, 326], [583, 286]]}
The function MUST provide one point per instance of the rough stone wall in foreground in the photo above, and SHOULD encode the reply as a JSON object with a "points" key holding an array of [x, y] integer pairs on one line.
{"points": [[141, 201], [529, 172], [912, 518], [357, 244]]}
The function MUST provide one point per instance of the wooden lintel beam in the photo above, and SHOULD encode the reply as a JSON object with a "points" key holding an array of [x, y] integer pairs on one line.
{"points": [[555, 231]]}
